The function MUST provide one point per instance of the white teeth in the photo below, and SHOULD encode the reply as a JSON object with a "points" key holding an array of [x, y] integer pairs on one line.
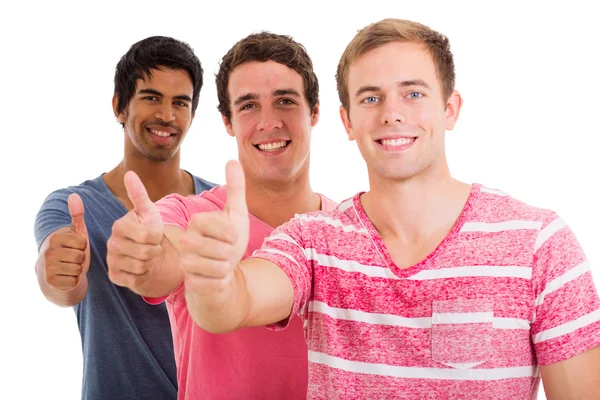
{"points": [[272, 146], [397, 142], [160, 133]]}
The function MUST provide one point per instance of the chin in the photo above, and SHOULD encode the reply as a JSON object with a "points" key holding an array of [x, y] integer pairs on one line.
{"points": [[278, 175], [396, 174], [160, 156]]}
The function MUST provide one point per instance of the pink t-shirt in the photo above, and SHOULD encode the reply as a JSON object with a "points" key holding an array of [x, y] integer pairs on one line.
{"points": [[251, 363], [507, 290]]}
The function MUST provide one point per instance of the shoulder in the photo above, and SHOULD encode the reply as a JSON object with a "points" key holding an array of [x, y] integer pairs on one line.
{"points": [[326, 203], [200, 185], [54, 211], [207, 200], [90, 190], [494, 205], [341, 216]]}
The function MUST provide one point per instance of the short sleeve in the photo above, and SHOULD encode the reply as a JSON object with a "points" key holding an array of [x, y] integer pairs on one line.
{"points": [[567, 308], [285, 247], [52, 215]]}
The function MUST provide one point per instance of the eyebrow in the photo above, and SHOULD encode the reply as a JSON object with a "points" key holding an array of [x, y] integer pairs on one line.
{"points": [[254, 96], [411, 82], [284, 92], [414, 82], [364, 89], [245, 97], [157, 93]]}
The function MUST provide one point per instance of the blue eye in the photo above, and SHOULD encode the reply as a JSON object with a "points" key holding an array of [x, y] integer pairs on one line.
{"points": [[371, 100], [415, 95]]}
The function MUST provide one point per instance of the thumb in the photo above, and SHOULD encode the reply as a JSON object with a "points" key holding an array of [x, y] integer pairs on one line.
{"points": [[76, 210], [236, 189], [145, 209]]}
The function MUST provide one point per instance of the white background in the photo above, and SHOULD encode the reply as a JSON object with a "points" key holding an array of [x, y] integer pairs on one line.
{"points": [[528, 73]]}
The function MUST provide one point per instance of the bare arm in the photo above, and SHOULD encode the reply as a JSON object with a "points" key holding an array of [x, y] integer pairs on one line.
{"points": [[62, 290], [577, 378], [260, 294]]}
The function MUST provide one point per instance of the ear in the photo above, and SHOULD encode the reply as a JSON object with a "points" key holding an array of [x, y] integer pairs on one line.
{"points": [[228, 126], [115, 105], [347, 124], [316, 113], [453, 106]]}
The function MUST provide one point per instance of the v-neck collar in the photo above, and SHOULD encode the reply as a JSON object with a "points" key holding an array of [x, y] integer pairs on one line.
{"points": [[427, 261]]}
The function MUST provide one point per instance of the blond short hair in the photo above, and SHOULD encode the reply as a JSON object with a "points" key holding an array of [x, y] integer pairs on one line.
{"points": [[397, 30]]}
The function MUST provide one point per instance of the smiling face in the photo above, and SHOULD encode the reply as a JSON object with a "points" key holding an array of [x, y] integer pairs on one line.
{"points": [[398, 114], [159, 115], [271, 121]]}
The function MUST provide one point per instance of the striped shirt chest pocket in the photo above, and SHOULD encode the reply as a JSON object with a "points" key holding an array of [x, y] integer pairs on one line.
{"points": [[461, 332]]}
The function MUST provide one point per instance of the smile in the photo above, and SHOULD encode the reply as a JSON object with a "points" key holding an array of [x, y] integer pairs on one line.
{"points": [[160, 133], [396, 142], [272, 146]]}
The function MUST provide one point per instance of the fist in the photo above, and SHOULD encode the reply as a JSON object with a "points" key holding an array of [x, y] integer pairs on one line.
{"points": [[215, 242], [135, 242], [67, 258]]}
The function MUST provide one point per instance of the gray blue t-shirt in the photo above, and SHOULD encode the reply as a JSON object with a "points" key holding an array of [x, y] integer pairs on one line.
{"points": [[127, 343]]}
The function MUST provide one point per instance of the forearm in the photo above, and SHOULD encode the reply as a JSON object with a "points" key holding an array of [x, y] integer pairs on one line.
{"points": [[260, 294], [577, 378], [61, 298], [219, 311]]}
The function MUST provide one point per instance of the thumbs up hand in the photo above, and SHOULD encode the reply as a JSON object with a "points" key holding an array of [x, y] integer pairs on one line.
{"points": [[215, 242], [147, 213], [67, 258], [134, 245]]}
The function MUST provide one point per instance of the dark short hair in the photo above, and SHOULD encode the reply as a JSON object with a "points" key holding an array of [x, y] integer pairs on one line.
{"points": [[153, 53], [262, 47]]}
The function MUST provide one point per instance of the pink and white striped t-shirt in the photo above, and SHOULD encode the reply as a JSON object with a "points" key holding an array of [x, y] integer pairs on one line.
{"points": [[507, 290]]}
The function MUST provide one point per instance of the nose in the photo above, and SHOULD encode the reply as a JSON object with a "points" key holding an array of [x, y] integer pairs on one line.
{"points": [[393, 114], [269, 120], [165, 113]]}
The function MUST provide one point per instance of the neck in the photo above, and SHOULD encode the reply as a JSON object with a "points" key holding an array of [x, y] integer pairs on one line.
{"points": [[159, 177], [413, 210], [277, 203]]}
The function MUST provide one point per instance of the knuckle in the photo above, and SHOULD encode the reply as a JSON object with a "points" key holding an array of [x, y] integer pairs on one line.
{"points": [[55, 240], [116, 227], [145, 236], [222, 284], [114, 276], [80, 257], [49, 253], [145, 253], [138, 267], [186, 242], [186, 265], [112, 245], [111, 262]]}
